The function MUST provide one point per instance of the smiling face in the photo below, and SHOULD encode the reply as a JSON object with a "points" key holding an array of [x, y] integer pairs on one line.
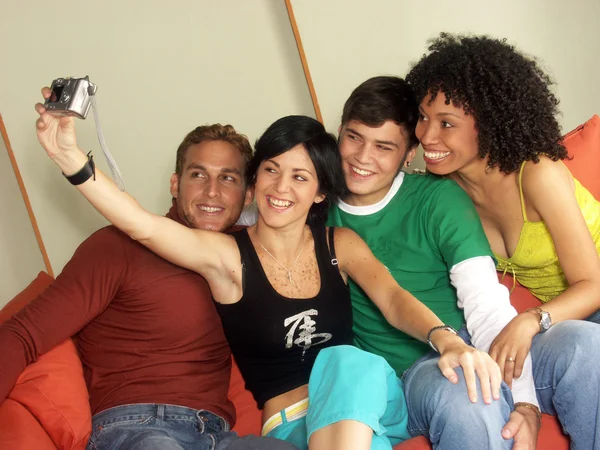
{"points": [[211, 193], [448, 136], [286, 188], [371, 158]]}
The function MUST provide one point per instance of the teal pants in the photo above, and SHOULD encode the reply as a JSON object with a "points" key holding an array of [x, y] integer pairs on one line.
{"points": [[347, 383]]}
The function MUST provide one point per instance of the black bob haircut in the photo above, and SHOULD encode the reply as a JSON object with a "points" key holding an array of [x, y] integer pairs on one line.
{"points": [[321, 146]]}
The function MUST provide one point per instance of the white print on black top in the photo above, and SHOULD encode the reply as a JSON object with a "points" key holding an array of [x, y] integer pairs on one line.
{"points": [[306, 325]]}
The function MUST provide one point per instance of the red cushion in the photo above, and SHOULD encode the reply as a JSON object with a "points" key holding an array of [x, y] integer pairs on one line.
{"points": [[52, 391], [24, 432], [520, 297], [583, 144], [418, 443]]}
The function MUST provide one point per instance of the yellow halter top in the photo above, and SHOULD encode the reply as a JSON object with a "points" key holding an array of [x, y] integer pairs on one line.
{"points": [[535, 262]]}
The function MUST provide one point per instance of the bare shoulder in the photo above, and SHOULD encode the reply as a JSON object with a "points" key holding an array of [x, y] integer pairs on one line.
{"points": [[547, 185], [345, 237], [350, 247], [546, 176]]}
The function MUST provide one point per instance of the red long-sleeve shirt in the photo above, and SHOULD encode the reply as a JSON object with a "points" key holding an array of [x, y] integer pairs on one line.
{"points": [[147, 330]]}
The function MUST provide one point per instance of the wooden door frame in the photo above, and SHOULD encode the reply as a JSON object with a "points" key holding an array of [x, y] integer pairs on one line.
{"points": [[309, 81]]}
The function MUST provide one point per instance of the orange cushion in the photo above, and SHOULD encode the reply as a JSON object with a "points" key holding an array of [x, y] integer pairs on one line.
{"points": [[418, 443], [25, 432], [583, 144], [52, 390], [520, 297]]}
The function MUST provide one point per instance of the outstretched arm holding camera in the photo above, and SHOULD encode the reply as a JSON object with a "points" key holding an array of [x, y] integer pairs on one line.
{"points": [[204, 252]]}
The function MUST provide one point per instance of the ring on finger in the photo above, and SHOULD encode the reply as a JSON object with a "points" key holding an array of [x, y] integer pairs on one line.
{"points": [[510, 359]]}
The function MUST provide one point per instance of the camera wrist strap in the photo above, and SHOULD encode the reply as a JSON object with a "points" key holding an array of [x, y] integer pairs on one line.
{"points": [[112, 164]]}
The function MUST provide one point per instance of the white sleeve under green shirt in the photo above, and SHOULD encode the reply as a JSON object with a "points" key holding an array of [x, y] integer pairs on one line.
{"points": [[426, 231]]}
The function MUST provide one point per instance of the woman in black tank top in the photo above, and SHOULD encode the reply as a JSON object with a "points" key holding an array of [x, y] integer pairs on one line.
{"points": [[280, 289]]}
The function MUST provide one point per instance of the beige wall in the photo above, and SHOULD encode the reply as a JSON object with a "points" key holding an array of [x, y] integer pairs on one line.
{"points": [[20, 259], [162, 68], [348, 41]]}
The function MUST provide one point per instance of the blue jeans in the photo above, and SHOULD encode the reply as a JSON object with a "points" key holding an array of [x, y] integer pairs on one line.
{"points": [[565, 371], [167, 427], [442, 411]]}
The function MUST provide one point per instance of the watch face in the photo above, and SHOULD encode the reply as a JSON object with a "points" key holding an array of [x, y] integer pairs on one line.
{"points": [[545, 321]]}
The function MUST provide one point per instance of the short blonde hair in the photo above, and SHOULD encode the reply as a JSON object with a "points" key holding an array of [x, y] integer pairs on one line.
{"points": [[215, 132]]}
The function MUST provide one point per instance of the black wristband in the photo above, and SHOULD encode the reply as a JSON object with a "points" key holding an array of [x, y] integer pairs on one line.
{"points": [[84, 174]]}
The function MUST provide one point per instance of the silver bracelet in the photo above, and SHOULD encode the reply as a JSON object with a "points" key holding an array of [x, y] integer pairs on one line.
{"points": [[439, 327]]}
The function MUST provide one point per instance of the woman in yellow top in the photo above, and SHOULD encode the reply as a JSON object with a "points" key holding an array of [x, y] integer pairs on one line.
{"points": [[487, 120]]}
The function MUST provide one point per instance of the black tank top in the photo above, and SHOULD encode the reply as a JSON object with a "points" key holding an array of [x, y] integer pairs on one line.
{"points": [[274, 339]]}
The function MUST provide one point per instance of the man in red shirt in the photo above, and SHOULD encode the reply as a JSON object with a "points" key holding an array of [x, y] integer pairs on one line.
{"points": [[154, 354]]}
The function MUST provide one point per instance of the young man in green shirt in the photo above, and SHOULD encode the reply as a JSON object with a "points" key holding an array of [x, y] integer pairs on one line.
{"points": [[426, 231]]}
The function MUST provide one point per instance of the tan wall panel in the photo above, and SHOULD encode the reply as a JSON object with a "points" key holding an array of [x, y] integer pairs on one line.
{"points": [[162, 68], [20, 256], [348, 41]]}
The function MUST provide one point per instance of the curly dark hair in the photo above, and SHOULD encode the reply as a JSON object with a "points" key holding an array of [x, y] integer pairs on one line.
{"points": [[507, 93]]}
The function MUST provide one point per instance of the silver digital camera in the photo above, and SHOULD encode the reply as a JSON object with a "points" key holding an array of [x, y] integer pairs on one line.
{"points": [[70, 97]]}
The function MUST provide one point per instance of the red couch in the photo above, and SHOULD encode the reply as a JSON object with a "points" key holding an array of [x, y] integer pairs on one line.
{"points": [[48, 408]]}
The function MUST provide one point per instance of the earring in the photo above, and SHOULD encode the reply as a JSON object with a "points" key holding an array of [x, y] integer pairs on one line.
{"points": [[488, 168], [407, 163]]}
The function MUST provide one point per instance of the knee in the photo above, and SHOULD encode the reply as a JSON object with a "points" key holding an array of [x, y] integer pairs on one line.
{"points": [[575, 331], [344, 378], [425, 383], [568, 348], [450, 402], [574, 339]]}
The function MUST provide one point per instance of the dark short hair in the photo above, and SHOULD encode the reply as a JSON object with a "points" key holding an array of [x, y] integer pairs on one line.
{"points": [[506, 92], [321, 146], [384, 98], [214, 132]]}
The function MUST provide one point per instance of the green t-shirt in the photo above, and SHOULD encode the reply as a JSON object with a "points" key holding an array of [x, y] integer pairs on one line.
{"points": [[422, 228]]}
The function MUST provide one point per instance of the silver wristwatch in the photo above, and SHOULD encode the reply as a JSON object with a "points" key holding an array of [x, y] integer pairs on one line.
{"points": [[545, 319]]}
